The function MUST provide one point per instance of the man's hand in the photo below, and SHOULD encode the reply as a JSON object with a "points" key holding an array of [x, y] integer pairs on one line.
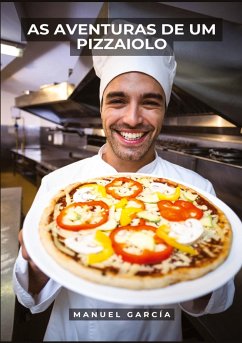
{"points": [[197, 305], [37, 279]]}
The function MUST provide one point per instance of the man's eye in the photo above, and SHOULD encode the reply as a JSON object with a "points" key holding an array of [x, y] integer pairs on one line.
{"points": [[117, 101], [151, 103]]}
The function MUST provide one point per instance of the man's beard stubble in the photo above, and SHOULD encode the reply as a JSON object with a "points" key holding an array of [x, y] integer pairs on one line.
{"points": [[132, 153]]}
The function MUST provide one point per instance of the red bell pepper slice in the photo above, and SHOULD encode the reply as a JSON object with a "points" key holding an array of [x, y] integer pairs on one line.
{"points": [[179, 210], [113, 188], [74, 217], [147, 256]]}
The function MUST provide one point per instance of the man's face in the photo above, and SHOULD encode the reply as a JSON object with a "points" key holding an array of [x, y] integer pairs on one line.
{"points": [[132, 113]]}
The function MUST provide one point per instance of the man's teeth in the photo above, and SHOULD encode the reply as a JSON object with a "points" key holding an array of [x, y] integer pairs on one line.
{"points": [[132, 136]]}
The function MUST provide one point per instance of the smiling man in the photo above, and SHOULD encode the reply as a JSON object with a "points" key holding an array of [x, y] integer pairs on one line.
{"points": [[132, 113], [134, 94]]}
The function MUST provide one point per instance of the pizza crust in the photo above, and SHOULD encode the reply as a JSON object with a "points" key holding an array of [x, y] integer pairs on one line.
{"points": [[138, 282]]}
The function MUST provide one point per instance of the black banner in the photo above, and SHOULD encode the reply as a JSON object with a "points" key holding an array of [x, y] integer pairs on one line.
{"points": [[121, 314], [135, 36]]}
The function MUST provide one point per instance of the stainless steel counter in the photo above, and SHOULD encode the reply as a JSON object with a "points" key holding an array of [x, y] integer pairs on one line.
{"points": [[10, 225], [52, 158]]}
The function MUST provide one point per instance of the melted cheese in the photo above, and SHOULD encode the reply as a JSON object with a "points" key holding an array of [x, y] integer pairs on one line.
{"points": [[125, 189], [84, 244], [109, 225], [142, 240], [84, 194], [136, 241], [162, 188]]}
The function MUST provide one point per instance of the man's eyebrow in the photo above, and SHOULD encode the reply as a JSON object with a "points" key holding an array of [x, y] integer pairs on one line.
{"points": [[157, 96], [149, 95], [111, 95]]}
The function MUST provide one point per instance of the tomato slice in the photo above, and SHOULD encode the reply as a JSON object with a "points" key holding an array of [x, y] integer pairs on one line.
{"points": [[146, 256], [179, 210], [83, 215], [117, 186]]}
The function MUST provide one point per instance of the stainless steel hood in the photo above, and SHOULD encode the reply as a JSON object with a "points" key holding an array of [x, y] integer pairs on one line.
{"points": [[78, 106], [64, 104]]}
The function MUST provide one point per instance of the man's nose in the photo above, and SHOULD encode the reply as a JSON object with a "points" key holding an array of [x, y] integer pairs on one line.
{"points": [[132, 115]]}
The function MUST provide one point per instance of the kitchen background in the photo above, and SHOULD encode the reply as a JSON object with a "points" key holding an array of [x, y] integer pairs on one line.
{"points": [[50, 117]]}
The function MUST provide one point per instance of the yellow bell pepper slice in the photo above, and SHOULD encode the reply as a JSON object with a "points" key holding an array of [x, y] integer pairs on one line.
{"points": [[97, 188], [161, 232], [127, 214], [105, 253], [122, 203], [174, 196], [102, 190]]}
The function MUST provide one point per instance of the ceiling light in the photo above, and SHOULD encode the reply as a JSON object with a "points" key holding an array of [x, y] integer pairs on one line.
{"points": [[11, 49]]}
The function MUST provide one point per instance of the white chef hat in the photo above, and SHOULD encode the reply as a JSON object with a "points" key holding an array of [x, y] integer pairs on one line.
{"points": [[161, 68]]}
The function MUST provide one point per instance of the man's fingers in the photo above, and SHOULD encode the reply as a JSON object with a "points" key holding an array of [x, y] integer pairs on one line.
{"points": [[37, 279], [21, 242], [20, 237]]}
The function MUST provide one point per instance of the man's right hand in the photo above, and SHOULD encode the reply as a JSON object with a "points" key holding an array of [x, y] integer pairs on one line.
{"points": [[37, 279]]}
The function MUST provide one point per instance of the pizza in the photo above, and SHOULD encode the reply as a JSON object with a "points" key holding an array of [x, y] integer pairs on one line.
{"points": [[135, 231]]}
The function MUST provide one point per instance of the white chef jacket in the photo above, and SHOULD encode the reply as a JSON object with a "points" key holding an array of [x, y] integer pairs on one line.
{"points": [[60, 328]]}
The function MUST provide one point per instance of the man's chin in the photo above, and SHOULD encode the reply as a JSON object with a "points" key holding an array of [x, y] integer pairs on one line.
{"points": [[129, 155]]}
